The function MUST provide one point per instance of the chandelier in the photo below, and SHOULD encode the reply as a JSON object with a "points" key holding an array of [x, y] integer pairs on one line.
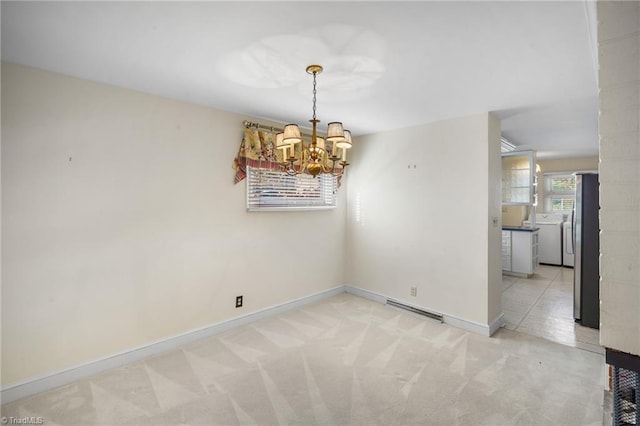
{"points": [[320, 155]]}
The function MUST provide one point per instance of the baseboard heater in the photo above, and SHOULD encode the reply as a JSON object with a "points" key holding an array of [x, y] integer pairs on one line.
{"points": [[432, 315]]}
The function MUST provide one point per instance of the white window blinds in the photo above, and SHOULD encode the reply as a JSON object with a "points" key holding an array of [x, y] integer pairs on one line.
{"points": [[559, 192], [276, 190]]}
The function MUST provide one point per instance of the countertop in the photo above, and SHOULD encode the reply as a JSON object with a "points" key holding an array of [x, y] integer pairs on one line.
{"points": [[519, 228]]}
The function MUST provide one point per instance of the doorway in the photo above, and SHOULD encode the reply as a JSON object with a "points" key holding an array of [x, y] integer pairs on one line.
{"points": [[542, 306]]}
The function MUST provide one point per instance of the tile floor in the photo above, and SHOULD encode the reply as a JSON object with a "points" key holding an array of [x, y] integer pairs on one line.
{"points": [[543, 306]]}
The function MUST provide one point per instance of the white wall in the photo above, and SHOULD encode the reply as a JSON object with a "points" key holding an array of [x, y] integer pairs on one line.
{"points": [[619, 123], [420, 207], [121, 224]]}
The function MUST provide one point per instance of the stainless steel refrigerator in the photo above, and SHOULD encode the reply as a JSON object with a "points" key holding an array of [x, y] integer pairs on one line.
{"points": [[586, 244]]}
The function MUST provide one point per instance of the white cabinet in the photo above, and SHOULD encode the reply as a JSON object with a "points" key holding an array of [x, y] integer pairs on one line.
{"points": [[519, 252], [519, 188], [519, 178]]}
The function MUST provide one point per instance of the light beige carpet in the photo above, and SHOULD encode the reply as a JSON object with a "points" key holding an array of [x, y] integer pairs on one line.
{"points": [[345, 360]]}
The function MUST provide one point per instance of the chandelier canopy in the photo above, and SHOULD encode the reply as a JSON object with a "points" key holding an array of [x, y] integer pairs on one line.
{"points": [[319, 155]]}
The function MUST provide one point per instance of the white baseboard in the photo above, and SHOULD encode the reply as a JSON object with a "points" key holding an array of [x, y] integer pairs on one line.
{"points": [[53, 380], [496, 324], [464, 324], [366, 294], [467, 325]]}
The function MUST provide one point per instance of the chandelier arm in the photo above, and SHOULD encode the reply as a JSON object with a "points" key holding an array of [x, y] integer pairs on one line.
{"points": [[325, 164], [331, 170]]}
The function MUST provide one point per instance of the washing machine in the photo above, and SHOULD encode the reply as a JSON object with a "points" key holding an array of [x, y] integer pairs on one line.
{"points": [[550, 238], [567, 244]]}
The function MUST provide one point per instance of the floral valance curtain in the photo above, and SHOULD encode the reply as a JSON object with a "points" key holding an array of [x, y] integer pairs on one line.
{"points": [[257, 149]]}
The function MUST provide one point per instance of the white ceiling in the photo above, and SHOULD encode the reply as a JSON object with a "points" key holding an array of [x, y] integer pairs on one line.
{"points": [[387, 65]]}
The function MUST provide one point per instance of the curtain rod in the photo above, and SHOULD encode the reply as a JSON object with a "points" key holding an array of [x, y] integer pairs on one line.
{"points": [[247, 124]]}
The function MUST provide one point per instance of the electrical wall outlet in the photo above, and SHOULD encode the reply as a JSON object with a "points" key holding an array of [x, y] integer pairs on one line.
{"points": [[238, 301], [414, 291]]}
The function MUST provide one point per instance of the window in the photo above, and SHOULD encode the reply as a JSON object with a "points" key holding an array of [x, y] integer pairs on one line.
{"points": [[276, 190], [559, 192]]}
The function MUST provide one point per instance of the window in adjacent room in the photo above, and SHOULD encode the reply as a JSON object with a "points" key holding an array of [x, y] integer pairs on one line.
{"points": [[276, 190], [559, 192]]}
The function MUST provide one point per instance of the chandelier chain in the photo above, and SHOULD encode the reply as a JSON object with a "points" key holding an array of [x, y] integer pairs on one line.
{"points": [[314, 95]]}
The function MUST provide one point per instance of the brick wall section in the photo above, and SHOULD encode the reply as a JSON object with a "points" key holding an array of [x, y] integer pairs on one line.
{"points": [[619, 122]]}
